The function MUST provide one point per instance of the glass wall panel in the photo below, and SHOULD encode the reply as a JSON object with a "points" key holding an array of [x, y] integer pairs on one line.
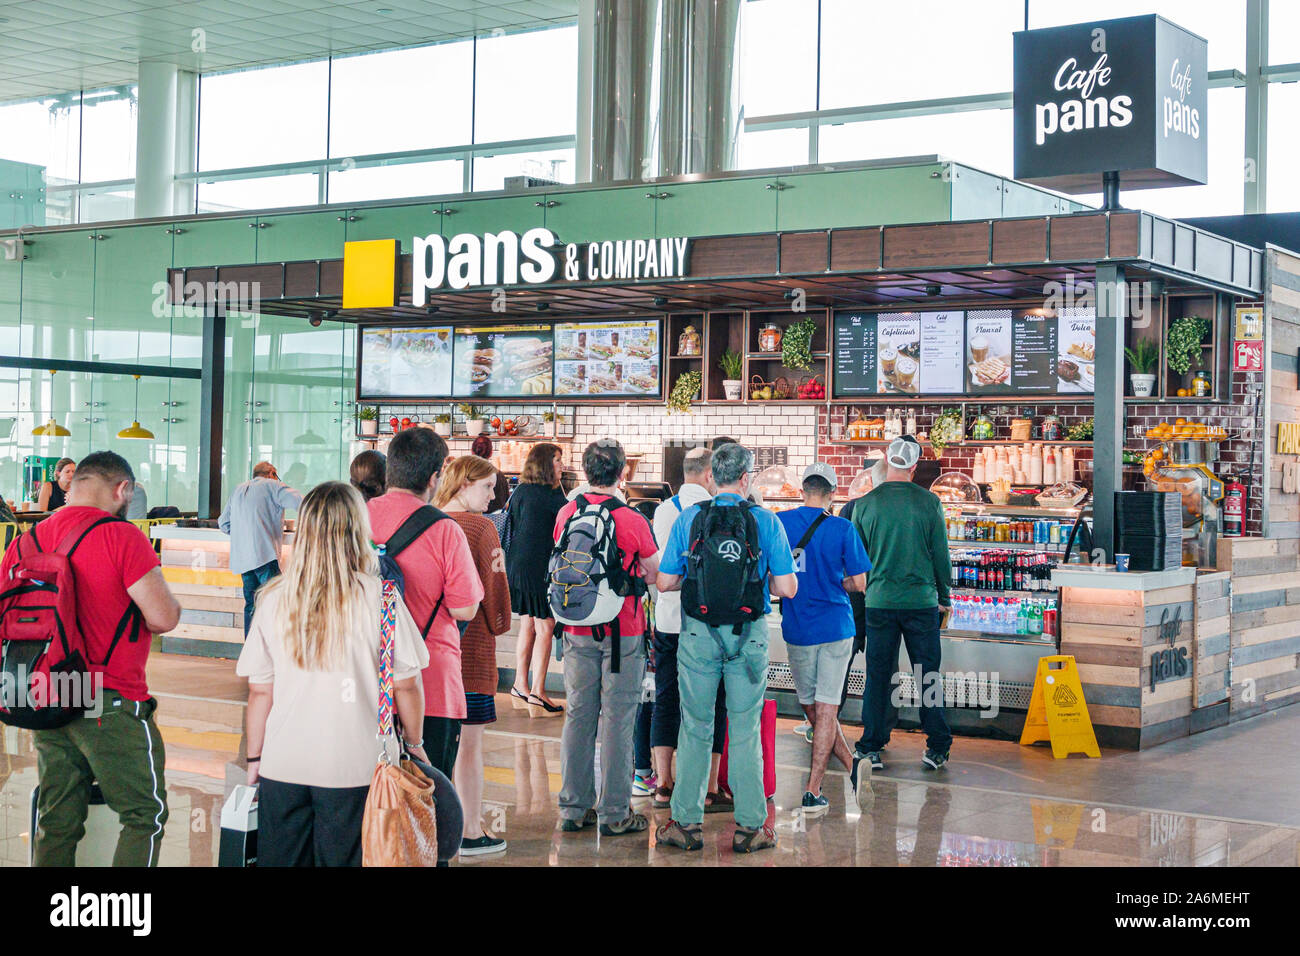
{"points": [[490, 172], [268, 192], [526, 85], [45, 133], [772, 148], [107, 205], [926, 49], [108, 127], [981, 139], [1283, 147], [402, 99], [1284, 32], [258, 117], [778, 70], [397, 181]]}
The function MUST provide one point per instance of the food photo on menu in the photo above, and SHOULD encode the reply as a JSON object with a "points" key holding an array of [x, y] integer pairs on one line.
{"points": [[607, 359], [399, 363], [899, 355], [1077, 345], [988, 351], [507, 362]]}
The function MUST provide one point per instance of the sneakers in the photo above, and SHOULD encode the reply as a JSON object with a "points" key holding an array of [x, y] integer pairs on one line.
{"points": [[632, 823], [815, 802], [872, 757], [482, 846], [673, 833], [751, 841], [574, 826], [860, 777], [804, 730], [644, 785], [933, 760]]}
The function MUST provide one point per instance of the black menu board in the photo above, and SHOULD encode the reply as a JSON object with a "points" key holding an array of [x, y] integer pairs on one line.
{"points": [[988, 352], [510, 361]]}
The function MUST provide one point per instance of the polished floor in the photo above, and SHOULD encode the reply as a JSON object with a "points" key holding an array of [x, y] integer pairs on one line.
{"points": [[1223, 798]]}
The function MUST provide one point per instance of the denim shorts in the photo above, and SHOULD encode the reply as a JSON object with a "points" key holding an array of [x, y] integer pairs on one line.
{"points": [[819, 669]]}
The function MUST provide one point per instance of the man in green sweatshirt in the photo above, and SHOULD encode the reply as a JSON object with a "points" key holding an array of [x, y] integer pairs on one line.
{"points": [[903, 529]]}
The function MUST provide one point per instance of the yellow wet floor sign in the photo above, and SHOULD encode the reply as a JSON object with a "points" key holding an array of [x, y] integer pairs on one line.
{"points": [[1057, 710]]}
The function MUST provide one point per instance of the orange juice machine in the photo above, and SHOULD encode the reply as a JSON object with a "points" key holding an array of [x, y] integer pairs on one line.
{"points": [[1187, 466]]}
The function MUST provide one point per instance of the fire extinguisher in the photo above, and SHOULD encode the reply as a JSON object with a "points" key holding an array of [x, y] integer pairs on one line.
{"points": [[1234, 508]]}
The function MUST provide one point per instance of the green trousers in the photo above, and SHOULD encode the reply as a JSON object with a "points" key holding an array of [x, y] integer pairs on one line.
{"points": [[122, 751], [701, 664]]}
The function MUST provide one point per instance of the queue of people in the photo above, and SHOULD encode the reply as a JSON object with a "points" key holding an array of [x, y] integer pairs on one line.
{"points": [[584, 572]]}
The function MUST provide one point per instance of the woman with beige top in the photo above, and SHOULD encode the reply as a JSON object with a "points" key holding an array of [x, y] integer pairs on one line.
{"points": [[465, 492], [312, 663]]}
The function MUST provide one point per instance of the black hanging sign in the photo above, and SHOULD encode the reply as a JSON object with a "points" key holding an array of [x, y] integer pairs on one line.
{"points": [[1126, 96]]}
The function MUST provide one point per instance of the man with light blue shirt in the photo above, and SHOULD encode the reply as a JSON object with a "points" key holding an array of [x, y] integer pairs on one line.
{"points": [[254, 519], [724, 555]]}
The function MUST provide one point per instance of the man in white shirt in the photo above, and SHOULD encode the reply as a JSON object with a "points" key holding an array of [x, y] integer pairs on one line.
{"points": [[254, 519], [665, 719]]}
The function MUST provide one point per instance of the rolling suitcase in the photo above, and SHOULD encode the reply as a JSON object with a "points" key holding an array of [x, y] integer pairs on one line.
{"points": [[767, 734]]}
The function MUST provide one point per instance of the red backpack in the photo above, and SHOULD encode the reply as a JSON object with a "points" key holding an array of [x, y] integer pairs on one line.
{"points": [[45, 666]]}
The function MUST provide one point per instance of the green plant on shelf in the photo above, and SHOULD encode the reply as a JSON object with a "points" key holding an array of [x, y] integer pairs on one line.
{"points": [[443, 419], [683, 392], [1080, 432], [471, 412], [947, 428], [1143, 356], [732, 364], [1183, 343], [368, 413], [796, 344]]}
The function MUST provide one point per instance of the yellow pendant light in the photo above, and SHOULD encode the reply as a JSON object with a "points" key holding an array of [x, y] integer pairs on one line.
{"points": [[136, 431], [51, 429]]}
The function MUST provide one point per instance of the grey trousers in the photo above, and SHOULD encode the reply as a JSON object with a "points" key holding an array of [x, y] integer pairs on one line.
{"points": [[600, 704]]}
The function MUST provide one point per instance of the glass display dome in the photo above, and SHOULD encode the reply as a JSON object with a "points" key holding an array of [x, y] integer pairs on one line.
{"points": [[956, 488]]}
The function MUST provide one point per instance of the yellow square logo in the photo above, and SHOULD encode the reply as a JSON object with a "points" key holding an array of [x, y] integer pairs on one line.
{"points": [[370, 274]]}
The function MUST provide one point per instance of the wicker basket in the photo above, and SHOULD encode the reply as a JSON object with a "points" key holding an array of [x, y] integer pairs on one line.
{"points": [[1021, 428]]}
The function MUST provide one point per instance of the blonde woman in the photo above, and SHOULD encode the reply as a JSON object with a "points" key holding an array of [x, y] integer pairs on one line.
{"points": [[465, 492], [312, 663], [533, 507]]}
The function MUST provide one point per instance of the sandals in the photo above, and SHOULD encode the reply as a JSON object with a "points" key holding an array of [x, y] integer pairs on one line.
{"points": [[632, 823], [518, 701], [719, 801], [538, 707], [686, 838], [662, 798]]}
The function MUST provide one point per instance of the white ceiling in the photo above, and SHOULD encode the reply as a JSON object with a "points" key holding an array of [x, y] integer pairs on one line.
{"points": [[55, 46]]}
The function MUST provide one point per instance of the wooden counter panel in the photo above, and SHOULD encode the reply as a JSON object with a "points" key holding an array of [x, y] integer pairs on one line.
{"points": [[1103, 715], [1085, 632], [1079, 238], [211, 602], [195, 558], [1105, 655], [1108, 674], [205, 632], [943, 244], [804, 252], [224, 579], [855, 249], [185, 589]]}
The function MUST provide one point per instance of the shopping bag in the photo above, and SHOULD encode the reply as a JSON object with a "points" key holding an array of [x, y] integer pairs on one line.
{"points": [[99, 844], [767, 734], [238, 845]]}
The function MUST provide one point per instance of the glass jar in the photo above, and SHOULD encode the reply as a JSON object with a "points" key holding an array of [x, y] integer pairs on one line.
{"points": [[982, 428], [688, 343], [1201, 384], [1051, 428], [769, 337]]}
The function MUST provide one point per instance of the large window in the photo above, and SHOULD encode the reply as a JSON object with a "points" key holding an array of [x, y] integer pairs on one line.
{"points": [[261, 117]]}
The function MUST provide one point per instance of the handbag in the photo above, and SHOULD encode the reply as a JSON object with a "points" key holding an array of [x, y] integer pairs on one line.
{"points": [[505, 526], [399, 827]]}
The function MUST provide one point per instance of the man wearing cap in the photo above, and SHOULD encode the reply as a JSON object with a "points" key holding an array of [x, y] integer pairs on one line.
{"points": [[903, 529], [817, 623]]}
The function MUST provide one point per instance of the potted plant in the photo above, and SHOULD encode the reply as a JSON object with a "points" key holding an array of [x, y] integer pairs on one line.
{"points": [[685, 390], [1183, 343], [732, 366], [1142, 358], [474, 423], [369, 418], [442, 424]]}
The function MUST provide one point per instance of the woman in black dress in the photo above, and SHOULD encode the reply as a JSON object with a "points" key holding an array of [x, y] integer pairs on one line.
{"points": [[482, 448], [533, 509], [54, 494]]}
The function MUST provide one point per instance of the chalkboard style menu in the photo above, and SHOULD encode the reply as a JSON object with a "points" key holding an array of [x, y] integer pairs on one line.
{"points": [[991, 352]]}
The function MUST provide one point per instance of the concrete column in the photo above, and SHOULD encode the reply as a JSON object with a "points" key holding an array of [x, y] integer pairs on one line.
{"points": [[713, 120], [165, 140]]}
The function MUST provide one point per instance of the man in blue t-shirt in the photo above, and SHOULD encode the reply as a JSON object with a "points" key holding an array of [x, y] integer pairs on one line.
{"points": [[817, 623], [707, 655]]}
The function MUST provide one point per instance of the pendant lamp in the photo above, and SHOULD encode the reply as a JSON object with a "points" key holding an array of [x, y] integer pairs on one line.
{"points": [[51, 429], [136, 431]]}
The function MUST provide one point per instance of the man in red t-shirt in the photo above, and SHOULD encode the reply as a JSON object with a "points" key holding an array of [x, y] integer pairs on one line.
{"points": [[599, 698], [438, 568], [119, 747]]}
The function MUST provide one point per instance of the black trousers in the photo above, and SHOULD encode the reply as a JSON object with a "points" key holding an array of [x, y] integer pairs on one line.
{"points": [[442, 742], [666, 719], [918, 629], [299, 825]]}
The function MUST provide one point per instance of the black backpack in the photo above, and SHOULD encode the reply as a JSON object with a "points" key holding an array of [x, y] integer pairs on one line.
{"points": [[722, 585], [416, 524]]}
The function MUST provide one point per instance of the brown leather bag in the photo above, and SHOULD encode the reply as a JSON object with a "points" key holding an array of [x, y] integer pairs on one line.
{"points": [[398, 827]]}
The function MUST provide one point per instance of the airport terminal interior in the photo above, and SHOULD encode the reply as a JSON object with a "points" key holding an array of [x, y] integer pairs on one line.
{"points": [[1052, 247]]}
